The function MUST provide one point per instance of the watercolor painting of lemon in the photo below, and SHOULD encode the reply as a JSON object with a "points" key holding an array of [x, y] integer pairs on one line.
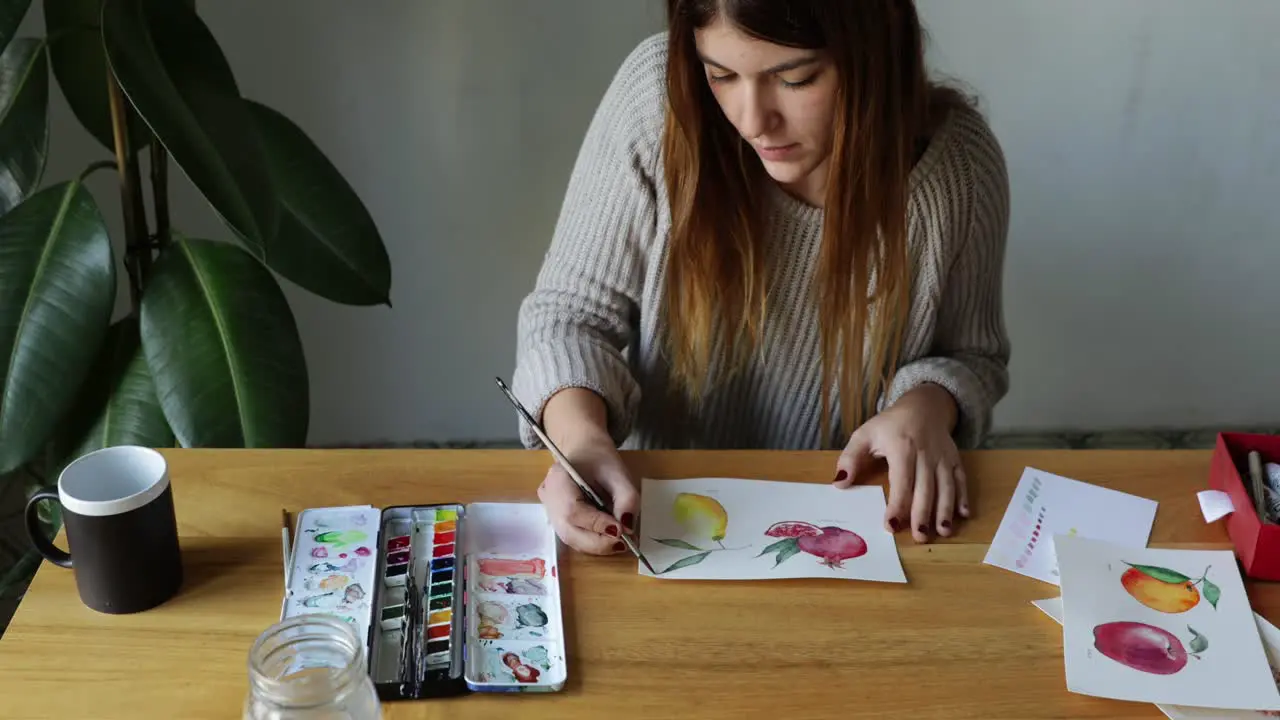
{"points": [[1168, 591], [702, 516], [831, 545], [704, 521]]}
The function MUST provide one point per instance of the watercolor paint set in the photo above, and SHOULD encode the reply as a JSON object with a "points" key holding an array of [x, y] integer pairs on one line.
{"points": [[450, 598]]}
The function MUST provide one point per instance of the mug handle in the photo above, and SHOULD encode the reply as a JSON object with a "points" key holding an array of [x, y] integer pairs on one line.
{"points": [[50, 551]]}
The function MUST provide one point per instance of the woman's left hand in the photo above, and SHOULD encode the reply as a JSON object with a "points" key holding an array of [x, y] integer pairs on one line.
{"points": [[926, 476]]}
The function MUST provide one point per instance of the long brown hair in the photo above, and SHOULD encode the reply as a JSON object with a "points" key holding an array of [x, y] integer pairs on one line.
{"points": [[715, 278]]}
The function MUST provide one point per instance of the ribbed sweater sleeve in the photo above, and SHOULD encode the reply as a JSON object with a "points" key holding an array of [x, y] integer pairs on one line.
{"points": [[576, 324], [970, 351]]}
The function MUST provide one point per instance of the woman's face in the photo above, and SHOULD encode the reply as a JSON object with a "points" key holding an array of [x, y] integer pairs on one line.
{"points": [[780, 99]]}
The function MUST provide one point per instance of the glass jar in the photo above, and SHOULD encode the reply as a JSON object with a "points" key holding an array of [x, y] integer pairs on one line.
{"points": [[310, 667]]}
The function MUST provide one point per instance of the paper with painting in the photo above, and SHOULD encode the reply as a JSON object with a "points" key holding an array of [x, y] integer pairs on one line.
{"points": [[1270, 635], [1044, 505], [1162, 626], [731, 529]]}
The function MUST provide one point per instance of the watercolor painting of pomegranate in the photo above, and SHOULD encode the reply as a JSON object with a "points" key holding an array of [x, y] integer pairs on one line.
{"points": [[1146, 647], [831, 545]]}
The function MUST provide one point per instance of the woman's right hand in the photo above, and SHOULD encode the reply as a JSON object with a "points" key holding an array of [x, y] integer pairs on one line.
{"points": [[578, 523]]}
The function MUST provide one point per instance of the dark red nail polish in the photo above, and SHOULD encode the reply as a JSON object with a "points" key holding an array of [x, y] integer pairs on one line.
{"points": [[924, 529], [612, 530], [946, 524], [628, 520], [841, 476], [893, 524], [619, 547]]}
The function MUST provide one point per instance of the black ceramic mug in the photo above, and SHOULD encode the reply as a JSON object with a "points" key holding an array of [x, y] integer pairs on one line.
{"points": [[117, 509]]}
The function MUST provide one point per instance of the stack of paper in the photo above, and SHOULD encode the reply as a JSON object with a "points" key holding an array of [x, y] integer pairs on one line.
{"points": [[1171, 627]]}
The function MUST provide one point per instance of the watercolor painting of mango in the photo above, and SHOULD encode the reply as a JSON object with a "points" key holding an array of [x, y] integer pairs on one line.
{"points": [[739, 529]]}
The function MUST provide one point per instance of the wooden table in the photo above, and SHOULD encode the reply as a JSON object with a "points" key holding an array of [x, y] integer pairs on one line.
{"points": [[961, 639]]}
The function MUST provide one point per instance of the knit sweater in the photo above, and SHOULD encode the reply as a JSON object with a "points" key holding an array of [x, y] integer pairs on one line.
{"points": [[594, 317]]}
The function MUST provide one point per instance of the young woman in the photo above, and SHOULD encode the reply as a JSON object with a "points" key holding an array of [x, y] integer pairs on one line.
{"points": [[778, 234]]}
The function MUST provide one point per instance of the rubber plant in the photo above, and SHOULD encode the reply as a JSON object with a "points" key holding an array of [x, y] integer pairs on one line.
{"points": [[207, 353]]}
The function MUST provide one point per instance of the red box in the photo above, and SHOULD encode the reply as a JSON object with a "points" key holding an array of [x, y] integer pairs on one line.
{"points": [[1257, 543]]}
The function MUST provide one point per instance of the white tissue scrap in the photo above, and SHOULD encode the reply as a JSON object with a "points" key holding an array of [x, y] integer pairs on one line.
{"points": [[1215, 504], [1273, 476]]}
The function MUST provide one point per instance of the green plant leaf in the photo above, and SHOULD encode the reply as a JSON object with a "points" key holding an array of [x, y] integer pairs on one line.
{"points": [[223, 347], [327, 242], [678, 543], [1212, 593], [687, 562], [80, 66], [24, 119], [57, 291], [1199, 643], [11, 14], [118, 403], [172, 70], [20, 573], [786, 552], [1159, 573], [780, 545]]}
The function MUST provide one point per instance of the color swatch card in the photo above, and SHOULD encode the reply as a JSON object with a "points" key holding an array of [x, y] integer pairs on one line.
{"points": [[1045, 505], [1270, 640], [728, 529], [1161, 626]]}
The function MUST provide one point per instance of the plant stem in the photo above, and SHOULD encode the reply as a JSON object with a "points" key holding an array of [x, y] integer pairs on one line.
{"points": [[160, 190], [94, 167], [137, 244]]}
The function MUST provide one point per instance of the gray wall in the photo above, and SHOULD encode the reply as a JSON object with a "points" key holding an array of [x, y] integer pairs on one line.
{"points": [[1141, 136]]}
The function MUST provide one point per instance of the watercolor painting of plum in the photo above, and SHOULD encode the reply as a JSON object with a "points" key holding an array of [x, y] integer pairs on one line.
{"points": [[1146, 647], [737, 529]]}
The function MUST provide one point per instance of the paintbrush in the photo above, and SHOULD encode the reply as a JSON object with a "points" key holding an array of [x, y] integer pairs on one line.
{"points": [[578, 480], [284, 544], [1259, 485]]}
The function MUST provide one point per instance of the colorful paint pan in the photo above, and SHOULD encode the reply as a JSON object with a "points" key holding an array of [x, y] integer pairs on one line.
{"points": [[399, 542]]}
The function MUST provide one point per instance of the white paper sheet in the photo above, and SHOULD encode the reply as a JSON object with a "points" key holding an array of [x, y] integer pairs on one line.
{"points": [[732, 529], [1161, 626], [1045, 505], [1270, 635]]}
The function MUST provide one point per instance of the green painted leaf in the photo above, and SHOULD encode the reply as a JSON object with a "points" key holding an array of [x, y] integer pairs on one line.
{"points": [[785, 553], [1159, 573], [327, 242], [57, 291], [1199, 643], [223, 347], [24, 119], [11, 14], [118, 403], [1212, 593], [172, 70], [80, 65], [678, 543], [785, 542], [687, 562]]}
